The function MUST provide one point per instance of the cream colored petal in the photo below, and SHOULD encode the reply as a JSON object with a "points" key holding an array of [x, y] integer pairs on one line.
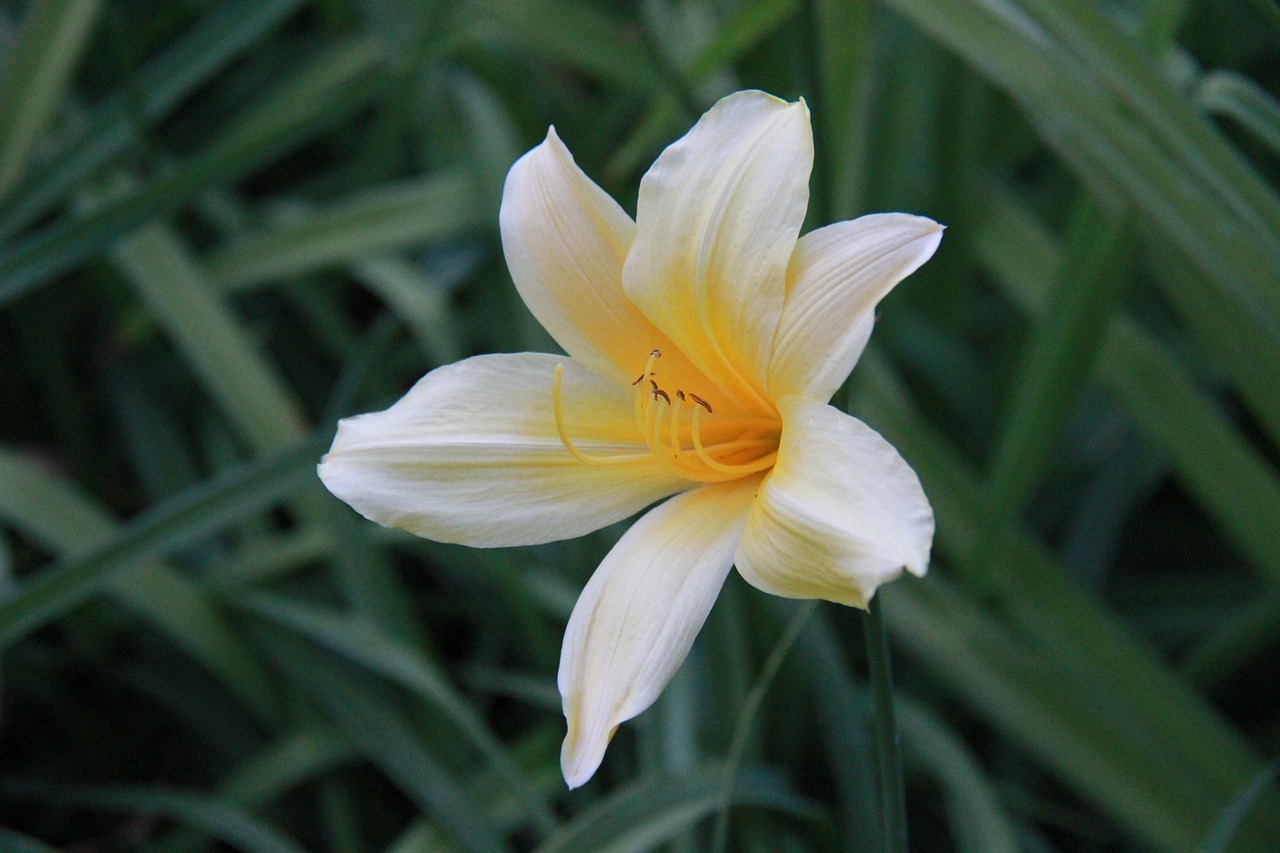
{"points": [[837, 276], [471, 455], [840, 514], [565, 241], [717, 221], [638, 615]]}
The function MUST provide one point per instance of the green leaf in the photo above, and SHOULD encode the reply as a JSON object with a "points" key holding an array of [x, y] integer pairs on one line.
{"points": [[184, 65], [365, 644], [179, 522], [33, 81], [198, 811], [324, 92], [180, 295], [978, 823], [56, 514], [390, 217], [570, 33], [370, 715], [647, 813]]}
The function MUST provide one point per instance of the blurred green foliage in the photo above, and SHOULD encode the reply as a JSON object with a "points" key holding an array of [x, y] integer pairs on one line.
{"points": [[223, 225]]}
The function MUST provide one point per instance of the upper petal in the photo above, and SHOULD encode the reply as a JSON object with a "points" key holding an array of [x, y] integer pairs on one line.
{"points": [[836, 277], [717, 221], [638, 615], [840, 514], [472, 455], [565, 241]]}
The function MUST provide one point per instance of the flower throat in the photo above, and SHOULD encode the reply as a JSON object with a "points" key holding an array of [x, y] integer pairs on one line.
{"points": [[672, 426]]}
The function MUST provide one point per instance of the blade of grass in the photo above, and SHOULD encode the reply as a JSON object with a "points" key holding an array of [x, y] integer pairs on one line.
{"points": [[1227, 476], [384, 218], [371, 716], [643, 815], [181, 521], [58, 516], [840, 95], [1234, 96], [182, 298], [304, 754], [1053, 368], [746, 718], [845, 720], [199, 811], [1191, 186], [34, 80], [1159, 727], [366, 645], [573, 34], [418, 301], [323, 93], [185, 64], [1045, 710], [18, 843], [1223, 833], [978, 823]]}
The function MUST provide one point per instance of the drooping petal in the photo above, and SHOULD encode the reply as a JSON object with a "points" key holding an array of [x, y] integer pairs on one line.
{"points": [[840, 514], [472, 455], [837, 276], [565, 241], [717, 220], [638, 615]]}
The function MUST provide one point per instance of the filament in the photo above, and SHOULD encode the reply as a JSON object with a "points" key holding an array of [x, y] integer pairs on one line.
{"points": [[557, 407]]}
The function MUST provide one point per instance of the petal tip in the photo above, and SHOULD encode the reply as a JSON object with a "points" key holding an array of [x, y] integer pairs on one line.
{"points": [[582, 752]]}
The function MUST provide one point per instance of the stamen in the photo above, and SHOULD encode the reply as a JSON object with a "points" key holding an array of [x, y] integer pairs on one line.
{"points": [[557, 407], [642, 398], [674, 431], [656, 444]]}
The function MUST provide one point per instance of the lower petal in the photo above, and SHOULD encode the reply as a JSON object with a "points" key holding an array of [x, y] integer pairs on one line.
{"points": [[638, 615], [472, 455], [840, 514]]}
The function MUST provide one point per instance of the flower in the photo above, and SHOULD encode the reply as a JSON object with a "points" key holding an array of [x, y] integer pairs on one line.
{"points": [[704, 341]]}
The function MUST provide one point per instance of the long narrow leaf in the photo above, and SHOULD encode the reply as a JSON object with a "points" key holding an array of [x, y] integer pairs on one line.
{"points": [[181, 521]]}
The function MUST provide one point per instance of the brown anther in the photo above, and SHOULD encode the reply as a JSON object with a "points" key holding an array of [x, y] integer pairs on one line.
{"points": [[658, 392], [701, 402], [679, 395], [656, 353]]}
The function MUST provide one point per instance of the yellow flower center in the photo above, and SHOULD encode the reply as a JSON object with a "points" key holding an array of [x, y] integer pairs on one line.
{"points": [[682, 430]]}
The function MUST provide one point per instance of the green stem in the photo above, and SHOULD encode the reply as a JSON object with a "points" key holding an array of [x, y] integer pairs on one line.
{"points": [[747, 716], [893, 799]]}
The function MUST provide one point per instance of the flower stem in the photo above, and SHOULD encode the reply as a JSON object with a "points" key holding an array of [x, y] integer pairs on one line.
{"points": [[893, 799]]}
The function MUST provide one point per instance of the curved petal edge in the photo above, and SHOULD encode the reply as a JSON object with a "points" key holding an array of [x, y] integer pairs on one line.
{"points": [[841, 513]]}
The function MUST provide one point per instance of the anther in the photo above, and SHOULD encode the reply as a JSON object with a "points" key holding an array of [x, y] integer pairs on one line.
{"points": [[658, 392], [701, 402]]}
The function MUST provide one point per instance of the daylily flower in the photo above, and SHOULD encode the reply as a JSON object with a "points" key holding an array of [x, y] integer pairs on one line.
{"points": [[704, 341]]}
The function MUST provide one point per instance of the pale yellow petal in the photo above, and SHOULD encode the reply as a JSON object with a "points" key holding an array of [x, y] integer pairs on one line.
{"points": [[472, 455], [717, 221], [840, 514], [638, 615], [837, 276], [565, 241]]}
